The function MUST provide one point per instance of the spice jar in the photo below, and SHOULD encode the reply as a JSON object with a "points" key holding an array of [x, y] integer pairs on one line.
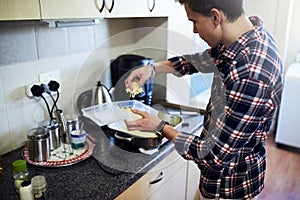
{"points": [[38, 185], [20, 173]]}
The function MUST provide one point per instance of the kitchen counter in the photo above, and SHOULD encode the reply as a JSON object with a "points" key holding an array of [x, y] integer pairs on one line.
{"points": [[111, 169]]}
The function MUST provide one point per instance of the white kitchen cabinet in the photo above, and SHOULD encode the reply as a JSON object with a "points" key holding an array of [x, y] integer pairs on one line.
{"points": [[19, 9], [82, 9], [137, 8], [168, 174], [192, 183], [174, 188], [72, 9]]}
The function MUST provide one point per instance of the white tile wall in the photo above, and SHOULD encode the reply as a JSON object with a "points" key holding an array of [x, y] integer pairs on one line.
{"points": [[2, 103], [17, 42], [5, 137], [18, 112]]}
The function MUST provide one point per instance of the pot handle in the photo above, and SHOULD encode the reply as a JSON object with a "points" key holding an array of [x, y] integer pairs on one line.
{"points": [[118, 136]]}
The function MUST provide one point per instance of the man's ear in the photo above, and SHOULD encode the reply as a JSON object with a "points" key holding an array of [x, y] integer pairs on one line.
{"points": [[216, 16]]}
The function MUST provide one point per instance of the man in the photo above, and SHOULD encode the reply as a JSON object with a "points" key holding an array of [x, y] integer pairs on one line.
{"points": [[245, 94]]}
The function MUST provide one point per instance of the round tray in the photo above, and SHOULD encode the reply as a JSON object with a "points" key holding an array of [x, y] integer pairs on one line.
{"points": [[64, 155]]}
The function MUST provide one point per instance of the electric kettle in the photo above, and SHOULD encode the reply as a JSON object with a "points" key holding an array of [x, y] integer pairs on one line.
{"points": [[100, 94], [96, 96]]}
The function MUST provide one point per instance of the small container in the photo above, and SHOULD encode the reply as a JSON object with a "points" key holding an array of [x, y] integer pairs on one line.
{"points": [[53, 128], [20, 173], [54, 136], [71, 126], [39, 185], [39, 144], [78, 138], [26, 191]]}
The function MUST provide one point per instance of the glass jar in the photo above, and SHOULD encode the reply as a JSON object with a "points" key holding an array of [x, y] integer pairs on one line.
{"points": [[20, 173], [38, 184]]}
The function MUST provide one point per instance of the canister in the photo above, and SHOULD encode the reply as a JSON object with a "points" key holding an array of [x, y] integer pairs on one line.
{"points": [[54, 134], [39, 144]]}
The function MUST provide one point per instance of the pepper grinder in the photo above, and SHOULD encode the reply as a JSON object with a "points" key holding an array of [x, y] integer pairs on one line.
{"points": [[63, 126]]}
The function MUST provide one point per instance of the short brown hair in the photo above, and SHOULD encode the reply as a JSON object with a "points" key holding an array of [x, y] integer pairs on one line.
{"points": [[233, 9]]}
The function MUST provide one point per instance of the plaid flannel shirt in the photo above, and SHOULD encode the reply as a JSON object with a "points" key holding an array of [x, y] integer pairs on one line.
{"points": [[245, 93]]}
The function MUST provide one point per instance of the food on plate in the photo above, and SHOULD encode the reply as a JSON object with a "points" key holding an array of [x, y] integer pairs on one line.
{"points": [[136, 89]]}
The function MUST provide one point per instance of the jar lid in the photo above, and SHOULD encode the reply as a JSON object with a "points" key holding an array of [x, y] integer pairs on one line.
{"points": [[38, 133], [48, 124], [26, 183], [19, 165]]}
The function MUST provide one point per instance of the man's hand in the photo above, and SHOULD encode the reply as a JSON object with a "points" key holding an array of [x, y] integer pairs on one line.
{"points": [[148, 122]]}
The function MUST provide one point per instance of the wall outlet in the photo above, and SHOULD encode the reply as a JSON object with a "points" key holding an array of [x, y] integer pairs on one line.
{"points": [[48, 76], [44, 78], [29, 86]]}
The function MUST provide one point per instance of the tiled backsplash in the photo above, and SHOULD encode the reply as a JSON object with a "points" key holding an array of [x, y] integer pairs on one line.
{"points": [[81, 54]]}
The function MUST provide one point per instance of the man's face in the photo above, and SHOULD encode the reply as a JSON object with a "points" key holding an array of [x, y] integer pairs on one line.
{"points": [[204, 26]]}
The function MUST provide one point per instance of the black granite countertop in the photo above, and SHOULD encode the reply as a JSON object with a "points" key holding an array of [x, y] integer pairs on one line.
{"points": [[111, 169], [104, 175]]}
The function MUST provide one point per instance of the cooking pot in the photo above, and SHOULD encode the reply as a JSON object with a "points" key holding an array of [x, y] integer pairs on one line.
{"points": [[146, 143]]}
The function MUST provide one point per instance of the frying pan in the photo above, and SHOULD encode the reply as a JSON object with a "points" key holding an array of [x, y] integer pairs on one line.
{"points": [[147, 142]]}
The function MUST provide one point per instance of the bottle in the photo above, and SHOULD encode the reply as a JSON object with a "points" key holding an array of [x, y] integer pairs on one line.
{"points": [[26, 191], [38, 184], [20, 173]]}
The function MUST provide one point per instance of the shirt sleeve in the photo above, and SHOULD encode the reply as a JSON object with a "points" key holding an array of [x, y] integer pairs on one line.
{"points": [[193, 63]]}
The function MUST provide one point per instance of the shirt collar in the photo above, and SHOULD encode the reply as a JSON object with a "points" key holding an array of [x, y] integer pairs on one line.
{"points": [[235, 47]]}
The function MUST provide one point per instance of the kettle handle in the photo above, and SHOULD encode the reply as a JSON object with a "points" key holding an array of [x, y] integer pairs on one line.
{"points": [[99, 84]]}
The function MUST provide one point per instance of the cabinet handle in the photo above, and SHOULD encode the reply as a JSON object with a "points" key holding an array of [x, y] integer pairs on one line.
{"points": [[158, 179], [100, 9], [112, 6], [153, 5]]}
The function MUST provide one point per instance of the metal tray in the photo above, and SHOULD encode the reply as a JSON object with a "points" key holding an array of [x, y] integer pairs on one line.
{"points": [[61, 157]]}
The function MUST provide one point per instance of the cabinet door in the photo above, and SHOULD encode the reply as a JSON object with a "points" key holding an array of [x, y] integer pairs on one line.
{"points": [[19, 9], [159, 8], [72, 9], [174, 188], [192, 186], [157, 177], [137, 8]]}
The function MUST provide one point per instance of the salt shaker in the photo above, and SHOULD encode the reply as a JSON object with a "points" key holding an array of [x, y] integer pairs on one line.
{"points": [[20, 173], [38, 184]]}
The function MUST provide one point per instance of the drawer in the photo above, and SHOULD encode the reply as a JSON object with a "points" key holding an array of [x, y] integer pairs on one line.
{"points": [[155, 178]]}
